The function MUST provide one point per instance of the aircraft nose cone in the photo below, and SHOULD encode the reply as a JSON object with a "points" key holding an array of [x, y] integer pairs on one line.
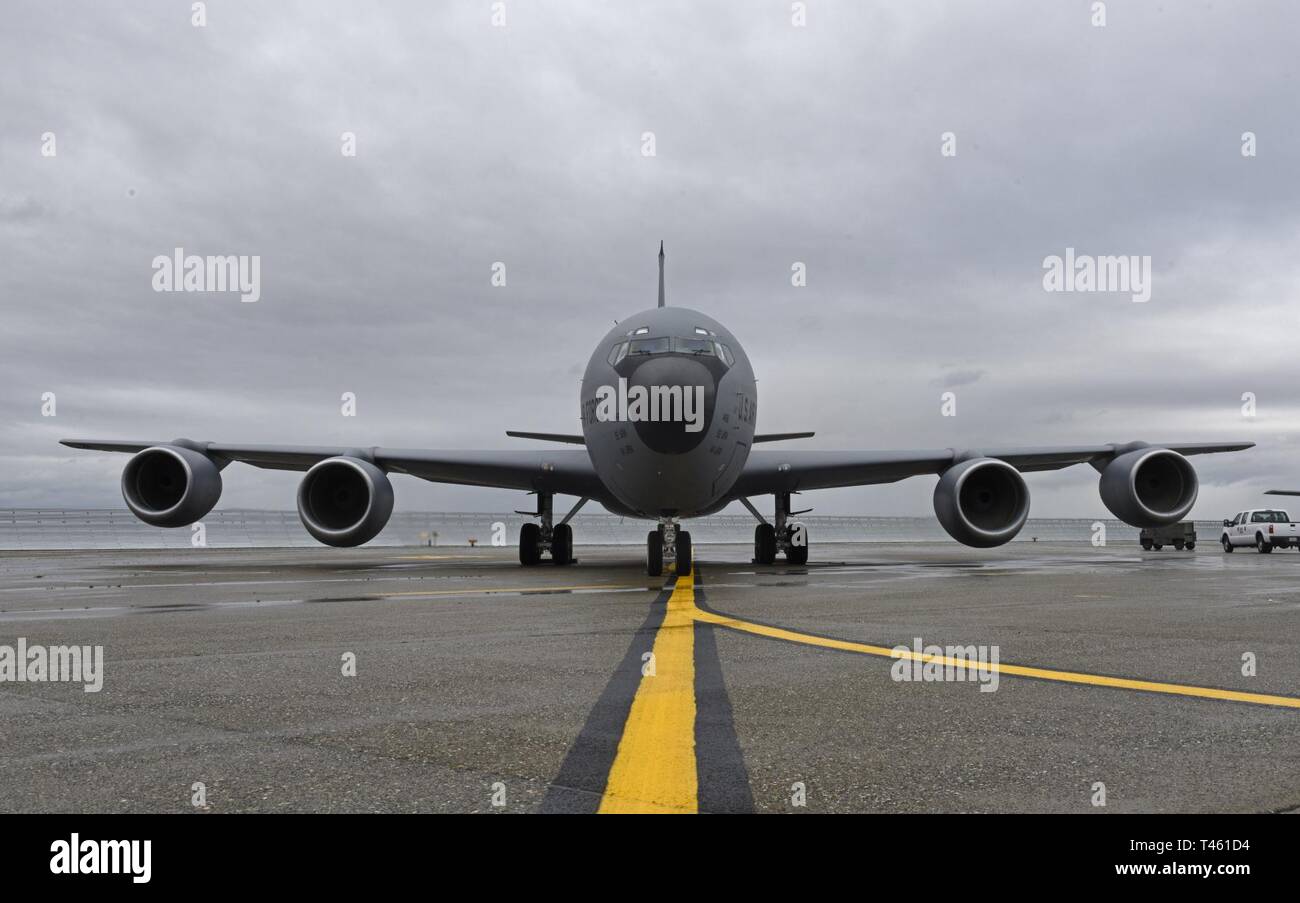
{"points": [[685, 390]]}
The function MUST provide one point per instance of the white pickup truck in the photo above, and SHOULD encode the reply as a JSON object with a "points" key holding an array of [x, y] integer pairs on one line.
{"points": [[1264, 528]]}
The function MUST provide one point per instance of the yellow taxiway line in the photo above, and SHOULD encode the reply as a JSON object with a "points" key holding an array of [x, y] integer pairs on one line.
{"points": [[654, 770], [1073, 677]]}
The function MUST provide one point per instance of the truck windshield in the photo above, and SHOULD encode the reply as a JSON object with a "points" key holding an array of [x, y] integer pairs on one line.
{"points": [[1270, 517]]}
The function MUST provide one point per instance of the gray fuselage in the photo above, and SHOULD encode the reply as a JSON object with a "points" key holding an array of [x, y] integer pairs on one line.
{"points": [[668, 405]]}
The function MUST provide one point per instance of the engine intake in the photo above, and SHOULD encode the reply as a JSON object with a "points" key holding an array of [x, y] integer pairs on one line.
{"points": [[170, 486], [345, 501], [982, 502], [1149, 487]]}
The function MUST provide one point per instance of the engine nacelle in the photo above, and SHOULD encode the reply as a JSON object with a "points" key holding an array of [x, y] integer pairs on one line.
{"points": [[170, 486], [1149, 487], [982, 502], [345, 501]]}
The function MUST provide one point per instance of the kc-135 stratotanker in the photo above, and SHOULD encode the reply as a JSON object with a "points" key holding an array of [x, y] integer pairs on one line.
{"points": [[669, 411]]}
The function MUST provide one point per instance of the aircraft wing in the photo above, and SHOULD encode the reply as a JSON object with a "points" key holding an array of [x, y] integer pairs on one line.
{"points": [[789, 471], [565, 471]]}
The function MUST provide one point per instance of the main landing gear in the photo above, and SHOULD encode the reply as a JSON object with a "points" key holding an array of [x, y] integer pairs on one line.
{"points": [[534, 539], [785, 537], [668, 542]]}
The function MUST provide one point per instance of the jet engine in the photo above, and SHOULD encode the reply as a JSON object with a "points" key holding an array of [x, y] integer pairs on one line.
{"points": [[1149, 487], [345, 501], [982, 502], [170, 486]]}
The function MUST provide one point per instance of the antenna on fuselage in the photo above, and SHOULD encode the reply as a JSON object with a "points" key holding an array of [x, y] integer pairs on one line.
{"points": [[661, 273]]}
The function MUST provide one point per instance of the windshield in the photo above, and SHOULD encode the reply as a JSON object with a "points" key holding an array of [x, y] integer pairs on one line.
{"points": [[1270, 517], [666, 344], [693, 346], [649, 346]]}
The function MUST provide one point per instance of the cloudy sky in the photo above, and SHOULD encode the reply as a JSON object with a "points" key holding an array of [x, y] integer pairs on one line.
{"points": [[477, 143]]}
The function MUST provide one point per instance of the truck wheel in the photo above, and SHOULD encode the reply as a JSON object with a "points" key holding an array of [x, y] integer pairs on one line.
{"points": [[1263, 544], [1190, 546], [1227, 543], [1158, 546], [1146, 545]]}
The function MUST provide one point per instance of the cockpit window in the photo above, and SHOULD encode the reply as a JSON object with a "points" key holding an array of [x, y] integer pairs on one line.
{"points": [[693, 346], [617, 353], [649, 346], [674, 344]]}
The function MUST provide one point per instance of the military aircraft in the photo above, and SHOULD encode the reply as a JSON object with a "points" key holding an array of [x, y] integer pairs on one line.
{"points": [[669, 413]]}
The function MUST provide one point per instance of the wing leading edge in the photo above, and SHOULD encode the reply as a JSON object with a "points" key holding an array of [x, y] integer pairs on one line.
{"points": [[787, 471], [564, 471], [569, 471]]}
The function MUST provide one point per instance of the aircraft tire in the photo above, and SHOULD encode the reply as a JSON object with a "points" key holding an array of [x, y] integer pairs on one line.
{"points": [[530, 552], [654, 553], [797, 555], [683, 553], [562, 545], [764, 544]]}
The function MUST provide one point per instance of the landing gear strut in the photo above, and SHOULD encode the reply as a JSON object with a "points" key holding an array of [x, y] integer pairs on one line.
{"points": [[671, 543], [534, 539], [785, 537]]}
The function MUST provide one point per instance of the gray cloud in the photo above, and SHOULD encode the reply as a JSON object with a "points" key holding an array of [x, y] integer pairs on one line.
{"points": [[23, 209], [956, 378], [522, 144]]}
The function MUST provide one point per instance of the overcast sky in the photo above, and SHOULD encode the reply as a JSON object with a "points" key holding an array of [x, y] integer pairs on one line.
{"points": [[524, 144]]}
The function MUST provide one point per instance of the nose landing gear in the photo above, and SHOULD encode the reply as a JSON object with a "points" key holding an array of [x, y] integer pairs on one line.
{"points": [[668, 542]]}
